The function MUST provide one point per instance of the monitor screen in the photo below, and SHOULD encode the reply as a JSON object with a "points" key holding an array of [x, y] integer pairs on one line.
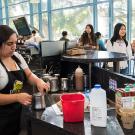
{"points": [[71, 44], [22, 26], [51, 48]]}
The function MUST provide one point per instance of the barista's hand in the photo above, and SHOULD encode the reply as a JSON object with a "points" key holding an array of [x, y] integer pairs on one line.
{"points": [[24, 98], [42, 86]]}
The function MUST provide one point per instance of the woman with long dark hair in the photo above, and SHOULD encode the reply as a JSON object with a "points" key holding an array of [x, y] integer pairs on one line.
{"points": [[119, 43], [14, 71], [88, 40]]}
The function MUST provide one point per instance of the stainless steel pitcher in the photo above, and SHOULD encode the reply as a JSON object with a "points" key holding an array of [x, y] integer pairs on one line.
{"points": [[54, 84], [38, 101], [64, 84]]}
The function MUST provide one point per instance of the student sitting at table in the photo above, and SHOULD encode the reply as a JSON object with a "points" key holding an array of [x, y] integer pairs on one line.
{"points": [[87, 39]]}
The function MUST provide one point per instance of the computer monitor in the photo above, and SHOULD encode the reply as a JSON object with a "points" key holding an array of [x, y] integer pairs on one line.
{"points": [[22, 26], [71, 44], [51, 48]]}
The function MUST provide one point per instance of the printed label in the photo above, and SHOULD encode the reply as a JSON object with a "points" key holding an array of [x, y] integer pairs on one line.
{"points": [[97, 113], [127, 102]]}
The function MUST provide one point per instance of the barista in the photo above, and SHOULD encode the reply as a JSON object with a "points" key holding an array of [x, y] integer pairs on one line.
{"points": [[13, 73]]}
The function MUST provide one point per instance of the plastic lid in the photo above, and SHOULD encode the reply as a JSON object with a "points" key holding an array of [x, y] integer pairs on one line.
{"points": [[97, 86], [127, 88]]}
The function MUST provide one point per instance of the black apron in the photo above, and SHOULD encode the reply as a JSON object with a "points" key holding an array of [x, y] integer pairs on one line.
{"points": [[10, 115]]}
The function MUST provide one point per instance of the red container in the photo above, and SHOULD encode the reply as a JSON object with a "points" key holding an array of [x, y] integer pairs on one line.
{"points": [[73, 107]]}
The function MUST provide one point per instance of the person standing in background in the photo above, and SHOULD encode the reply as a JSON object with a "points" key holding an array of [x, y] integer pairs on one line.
{"points": [[133, 46], [88, 39], [35, 38], [14, 71], [64, 36], [100, 41], [118, 43]]}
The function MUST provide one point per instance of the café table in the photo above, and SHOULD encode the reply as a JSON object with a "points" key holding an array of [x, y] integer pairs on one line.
{"points": [[92, 56]]}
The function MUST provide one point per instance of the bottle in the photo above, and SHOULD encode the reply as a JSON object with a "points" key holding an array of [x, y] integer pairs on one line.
{"points": [[79, 79], [98, 106]]}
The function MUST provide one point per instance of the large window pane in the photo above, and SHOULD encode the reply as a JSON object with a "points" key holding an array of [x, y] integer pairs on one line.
{"points": [[103, 19], [45, 25], [36, 21], [133, 20], [1, 22], [120, 11], [73, 20], [15, 1], [11, 24], [44, 5], [35, 8], [3, 3], [68, 3], [3, 13], [19, 9], [101, 0], [4, 21]]}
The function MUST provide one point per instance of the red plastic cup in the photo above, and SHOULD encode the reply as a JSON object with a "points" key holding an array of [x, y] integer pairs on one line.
{"points": [[73, 107]]}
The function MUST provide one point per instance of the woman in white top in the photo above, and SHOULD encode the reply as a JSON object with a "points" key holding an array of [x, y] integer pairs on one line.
{"points": [[118, 43], [14, 71]]}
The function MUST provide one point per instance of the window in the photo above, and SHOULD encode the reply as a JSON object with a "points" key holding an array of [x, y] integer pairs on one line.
{"points": [[120, 11], [35, 21], [103, 19], [44, 5], [133, 22], [15, 1], [3, 12], [72, 20], [45, 25], [3, 3], [68, 3], [19, 9], [35, 8]]}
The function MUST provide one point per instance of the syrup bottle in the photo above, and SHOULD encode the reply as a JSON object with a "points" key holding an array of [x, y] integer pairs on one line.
{"points": [[79, 79]]}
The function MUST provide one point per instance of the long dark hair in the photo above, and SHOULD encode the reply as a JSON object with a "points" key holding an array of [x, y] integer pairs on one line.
{"points": [[5, 33], [116, 35], [85, 38]]}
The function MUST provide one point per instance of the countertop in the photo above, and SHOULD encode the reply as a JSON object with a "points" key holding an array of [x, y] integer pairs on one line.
{"points": [[96, 56], [47, 122]]}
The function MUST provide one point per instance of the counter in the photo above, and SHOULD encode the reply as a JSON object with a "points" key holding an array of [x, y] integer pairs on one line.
{"points": [[52, 124]]}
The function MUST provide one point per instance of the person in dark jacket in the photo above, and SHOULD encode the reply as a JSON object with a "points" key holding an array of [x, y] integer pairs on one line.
{"points": [[64, 36]]}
